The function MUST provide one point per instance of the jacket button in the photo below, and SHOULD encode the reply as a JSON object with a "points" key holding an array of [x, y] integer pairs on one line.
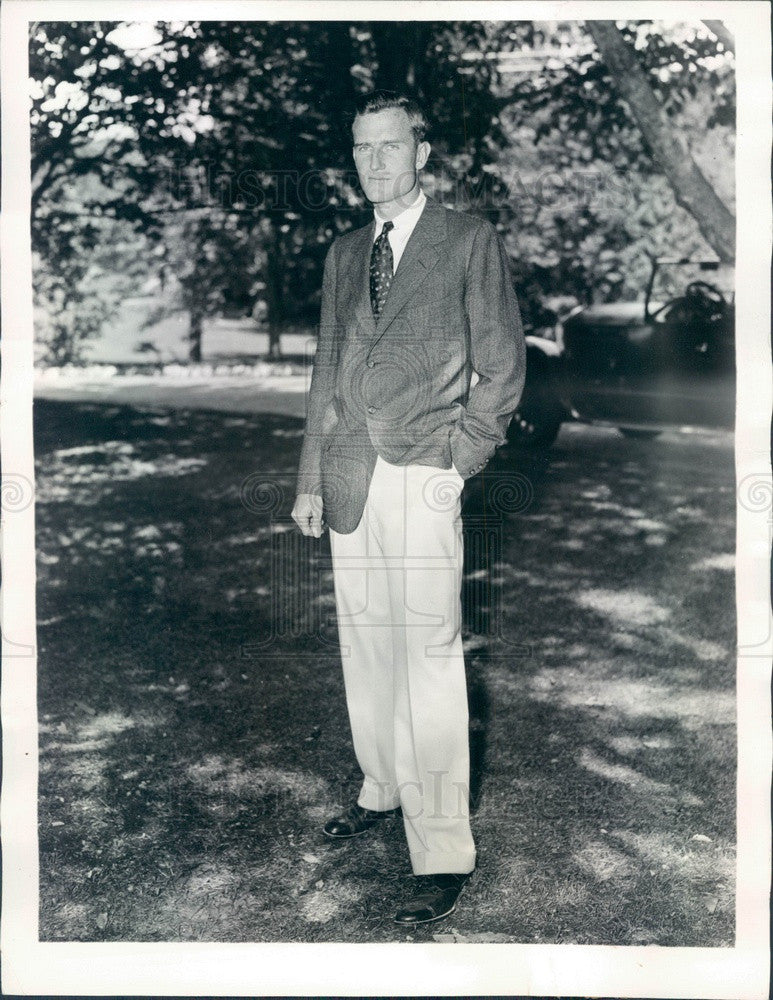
{"points": [[371, 364], [371, 409]]}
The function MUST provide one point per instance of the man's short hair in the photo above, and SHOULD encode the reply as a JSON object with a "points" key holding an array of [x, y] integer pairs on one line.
{"points": [[381, 100]]}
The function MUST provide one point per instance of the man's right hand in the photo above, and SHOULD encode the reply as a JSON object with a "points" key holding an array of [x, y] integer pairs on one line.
{"points": [[307, 514]]}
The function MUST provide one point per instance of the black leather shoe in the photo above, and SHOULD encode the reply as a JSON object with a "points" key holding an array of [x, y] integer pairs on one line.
{"points": [[355, 821], [436, 898]]}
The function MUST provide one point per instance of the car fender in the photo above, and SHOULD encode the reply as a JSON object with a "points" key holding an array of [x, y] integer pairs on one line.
{"points": [[544, 359], [540, 411]]}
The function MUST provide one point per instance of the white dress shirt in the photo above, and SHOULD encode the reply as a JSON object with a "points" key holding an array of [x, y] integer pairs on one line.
{"points": [[404, 224]]}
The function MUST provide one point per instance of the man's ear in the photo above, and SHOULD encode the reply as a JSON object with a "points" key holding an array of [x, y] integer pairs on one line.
{"points": [[422, 154]]}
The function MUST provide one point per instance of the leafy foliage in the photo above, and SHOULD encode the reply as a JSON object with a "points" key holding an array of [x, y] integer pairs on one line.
{"points": [[226, 145], [683, 63], [98, 261]]}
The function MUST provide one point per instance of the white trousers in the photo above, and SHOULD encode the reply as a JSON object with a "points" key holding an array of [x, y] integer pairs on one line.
{"points": [[397, 581]]}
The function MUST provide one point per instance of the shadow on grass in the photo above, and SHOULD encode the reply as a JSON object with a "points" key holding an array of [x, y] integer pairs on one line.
{"points": [[186, 768]]}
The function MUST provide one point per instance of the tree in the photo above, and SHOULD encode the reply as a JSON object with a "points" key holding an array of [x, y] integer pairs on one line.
{"points": [[259, 110], [227, 145], [99, 262], [97, 157], [690, 186], [587, 204]]}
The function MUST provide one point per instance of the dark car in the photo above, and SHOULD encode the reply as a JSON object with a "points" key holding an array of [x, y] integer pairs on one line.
{"points": [[639, 366]]}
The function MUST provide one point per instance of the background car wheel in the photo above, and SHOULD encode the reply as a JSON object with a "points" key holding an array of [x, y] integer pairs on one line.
{"points": [[536, 422], [635, 432]]}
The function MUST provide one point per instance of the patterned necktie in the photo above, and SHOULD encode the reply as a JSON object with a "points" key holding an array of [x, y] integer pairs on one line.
{"points": [[381, 270]]}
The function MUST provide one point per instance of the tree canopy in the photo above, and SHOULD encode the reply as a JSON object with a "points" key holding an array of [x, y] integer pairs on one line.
{"points": [[225, 148]]}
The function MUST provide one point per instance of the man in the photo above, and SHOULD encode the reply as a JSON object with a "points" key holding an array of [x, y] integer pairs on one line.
{"points": [[412, 305]]}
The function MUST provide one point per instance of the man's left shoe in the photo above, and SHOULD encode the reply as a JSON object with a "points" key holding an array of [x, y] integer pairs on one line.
{"points": [[356, 820], [435, 899]]}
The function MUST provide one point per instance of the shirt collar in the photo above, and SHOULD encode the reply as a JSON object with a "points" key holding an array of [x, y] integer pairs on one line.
{"points": [[408, 217]]}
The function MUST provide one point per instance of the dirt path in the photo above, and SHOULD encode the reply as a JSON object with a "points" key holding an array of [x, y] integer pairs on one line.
{"points": [[283, 394]]}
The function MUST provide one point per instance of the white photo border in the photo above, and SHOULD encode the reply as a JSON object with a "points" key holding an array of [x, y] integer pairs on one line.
{"points": [[196, 969]]}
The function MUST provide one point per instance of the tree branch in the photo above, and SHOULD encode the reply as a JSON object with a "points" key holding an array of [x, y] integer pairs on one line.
{"points": [[720, 32]]}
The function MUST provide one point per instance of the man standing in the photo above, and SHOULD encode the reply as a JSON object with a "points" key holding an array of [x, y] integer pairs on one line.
{"points": [[412, 305]]}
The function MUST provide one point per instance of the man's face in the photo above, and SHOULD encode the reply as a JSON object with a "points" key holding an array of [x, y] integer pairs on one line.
{"points": [[386, 154]]}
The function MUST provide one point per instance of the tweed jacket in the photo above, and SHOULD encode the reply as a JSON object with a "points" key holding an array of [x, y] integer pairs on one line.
{"points": [[400, 387]]}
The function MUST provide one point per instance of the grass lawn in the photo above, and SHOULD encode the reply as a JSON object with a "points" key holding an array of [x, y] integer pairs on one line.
{"points": [[186, 764]]}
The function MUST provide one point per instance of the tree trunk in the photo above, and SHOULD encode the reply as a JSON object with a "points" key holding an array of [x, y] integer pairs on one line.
{"points": [[194, 335], [342, 58], [400, 52], [274, 342], [692, 190], [273, 283]]}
